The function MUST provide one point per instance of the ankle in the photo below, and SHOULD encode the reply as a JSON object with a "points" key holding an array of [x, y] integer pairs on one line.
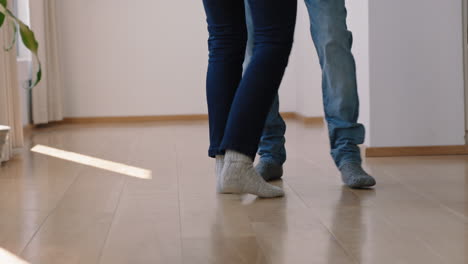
{"points": [[219, 159], [349, 163], [234, 156], [269, 170]]}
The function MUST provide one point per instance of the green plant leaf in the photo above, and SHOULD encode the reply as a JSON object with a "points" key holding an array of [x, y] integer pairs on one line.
{"points": [[30, 42], [28, 38], [2, 16]]}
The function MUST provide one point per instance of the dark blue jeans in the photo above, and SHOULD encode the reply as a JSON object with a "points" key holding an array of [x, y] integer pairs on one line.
{"points": [[238, 104], [272, 142]]}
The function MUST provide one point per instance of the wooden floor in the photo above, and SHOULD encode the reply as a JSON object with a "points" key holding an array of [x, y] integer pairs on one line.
{"points": [[57, 211]]}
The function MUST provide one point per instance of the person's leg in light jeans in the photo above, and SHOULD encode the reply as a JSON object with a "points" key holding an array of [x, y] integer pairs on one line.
{"points": [[333, 43], [271, 149]]}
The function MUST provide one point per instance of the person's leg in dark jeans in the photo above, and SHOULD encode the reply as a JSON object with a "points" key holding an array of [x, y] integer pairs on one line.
{"points": [[271, 149], [333, 42], [238, 110], [226, 44]]}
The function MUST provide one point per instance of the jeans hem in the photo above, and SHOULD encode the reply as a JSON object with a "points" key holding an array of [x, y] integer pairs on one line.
{"points": [[272, 160], [214, 151], [246, 150]]}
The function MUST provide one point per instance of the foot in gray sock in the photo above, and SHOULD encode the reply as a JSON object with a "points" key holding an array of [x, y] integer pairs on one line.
{"points": [[355, 177], [239, 176], [269, 171]]}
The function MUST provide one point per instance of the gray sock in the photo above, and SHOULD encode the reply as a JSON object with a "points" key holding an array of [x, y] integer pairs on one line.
{"points": [[355, 177], [269, 171], [218, 169], [239, 176]]}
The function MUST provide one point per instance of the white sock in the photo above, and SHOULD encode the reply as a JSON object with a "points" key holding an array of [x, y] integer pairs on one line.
{"points": [[218, 169], [239, 176]]}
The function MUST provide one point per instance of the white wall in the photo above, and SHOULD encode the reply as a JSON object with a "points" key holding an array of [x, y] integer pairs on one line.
{"points": [[307, 72], [358, 23], [124, 58], [121, 59], [416, 76]]}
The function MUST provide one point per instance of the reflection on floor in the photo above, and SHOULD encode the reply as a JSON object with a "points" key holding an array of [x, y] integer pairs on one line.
{"points": [[58, 211]]}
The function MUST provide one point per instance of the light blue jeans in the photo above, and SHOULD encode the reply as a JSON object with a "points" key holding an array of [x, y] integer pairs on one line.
{"points": [[333, 43]]}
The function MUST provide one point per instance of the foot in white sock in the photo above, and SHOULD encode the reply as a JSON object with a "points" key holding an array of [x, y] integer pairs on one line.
{"points": [[218, 169], [239, 176]]}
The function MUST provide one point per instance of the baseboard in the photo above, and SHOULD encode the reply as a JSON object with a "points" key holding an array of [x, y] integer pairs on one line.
{"points": [[289, 115], [27, 130], [369, 151], [416, 151], [158, 118], [132, 119], [309, 119], [303, 119]]}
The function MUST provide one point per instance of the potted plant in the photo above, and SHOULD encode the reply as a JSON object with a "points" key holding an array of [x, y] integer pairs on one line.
{"points": [[27, 36], [30, 42]]}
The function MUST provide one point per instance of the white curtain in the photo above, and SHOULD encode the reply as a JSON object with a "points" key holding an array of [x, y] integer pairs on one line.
{"points": [[10, 108], [47, 99]]}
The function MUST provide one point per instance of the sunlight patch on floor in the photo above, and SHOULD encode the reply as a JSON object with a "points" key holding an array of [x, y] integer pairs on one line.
{"points": [[10, 258], [94, 162]]}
